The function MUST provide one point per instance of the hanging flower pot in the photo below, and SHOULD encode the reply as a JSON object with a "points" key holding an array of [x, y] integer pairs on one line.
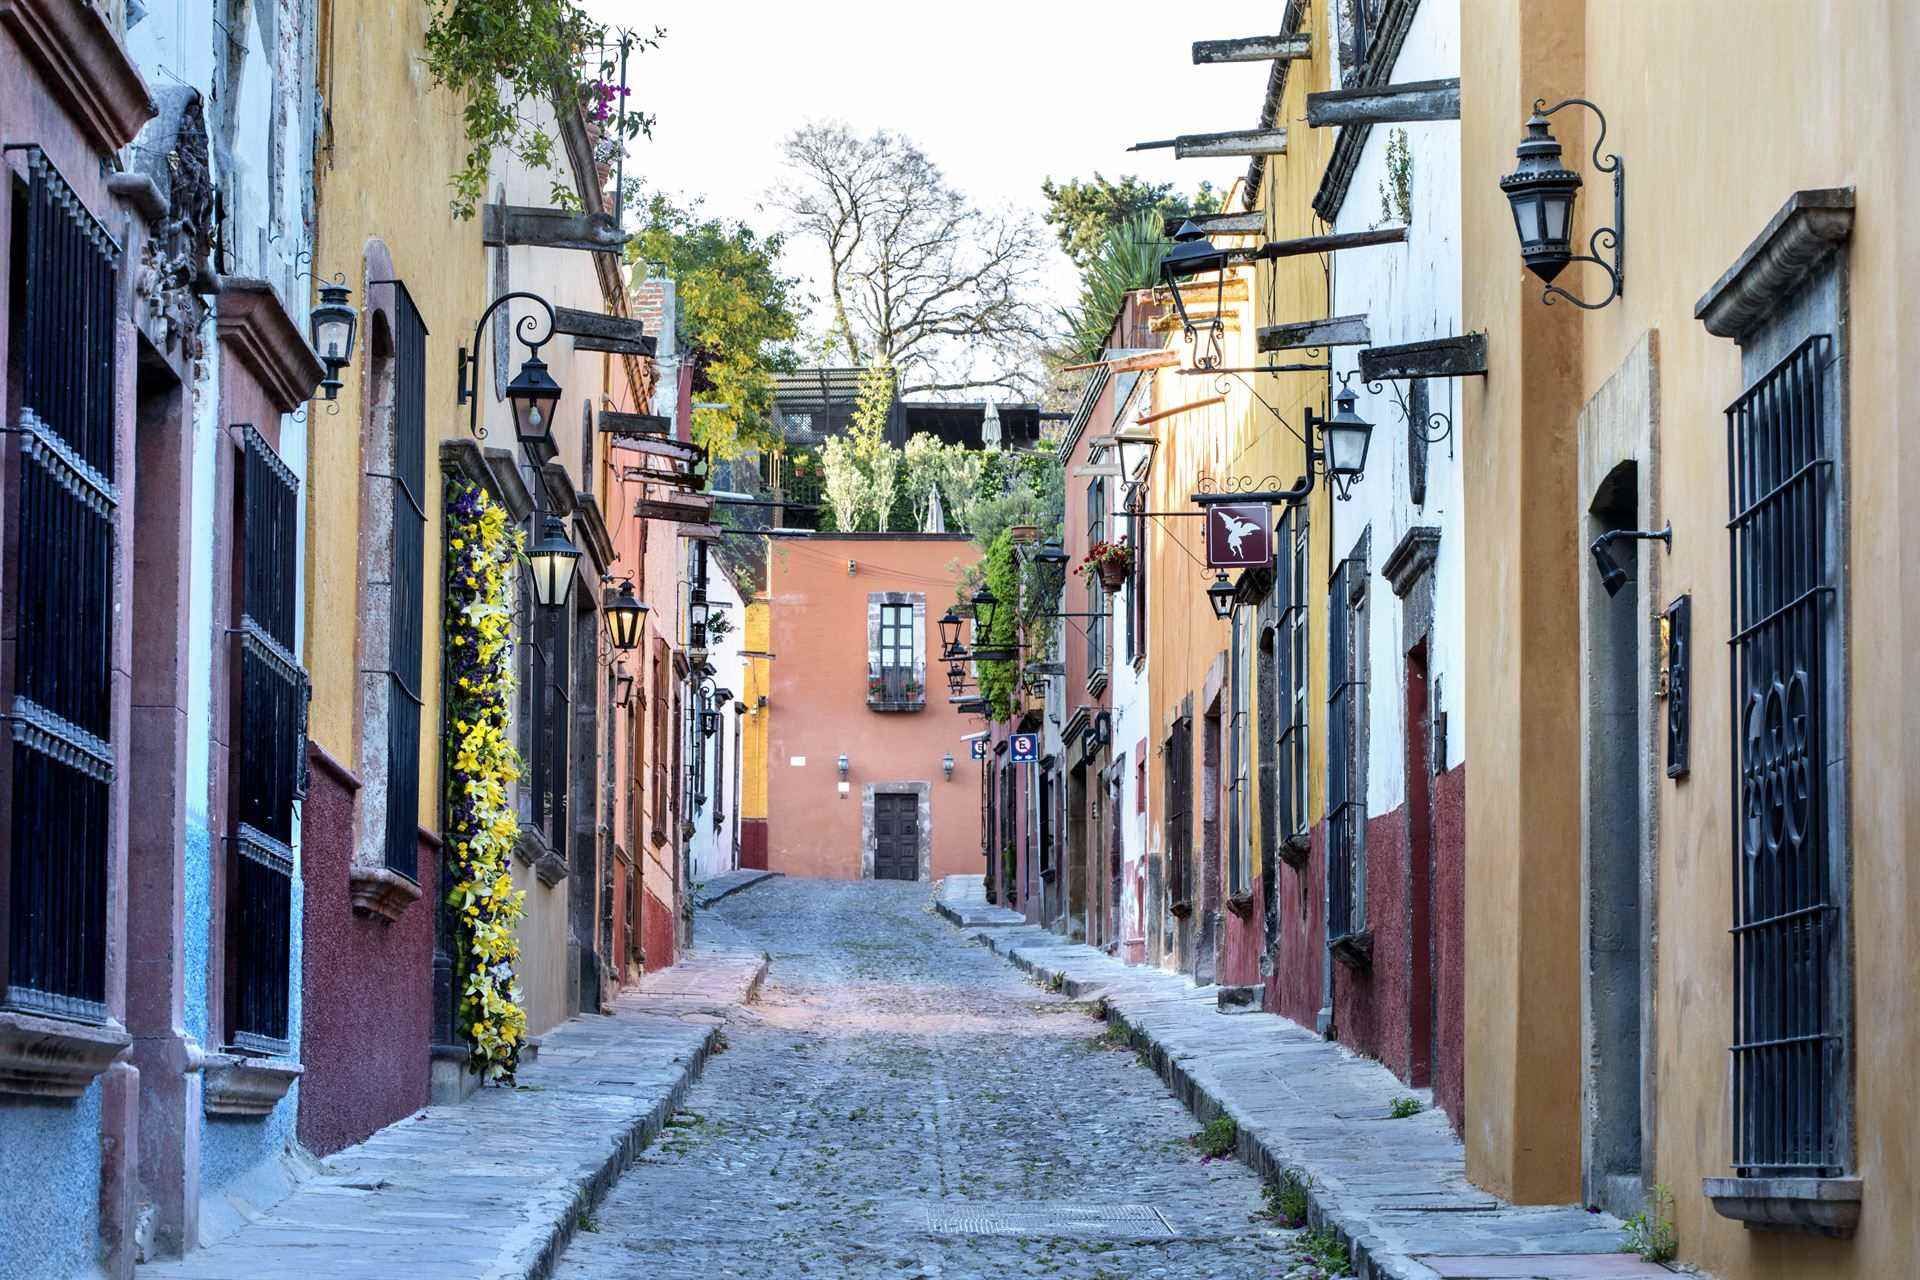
{"points": [[1111, 562]]}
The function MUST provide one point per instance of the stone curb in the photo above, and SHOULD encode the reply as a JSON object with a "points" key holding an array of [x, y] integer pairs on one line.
{"points": [[1190, 1078], [627, 1147], [971, 913], [702, 898]]}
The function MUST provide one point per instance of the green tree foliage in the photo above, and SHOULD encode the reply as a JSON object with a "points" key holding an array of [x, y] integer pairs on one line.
{"points": [[502, 57], [997, 678], [1128, 258], [1081, 211], [735, 313]]}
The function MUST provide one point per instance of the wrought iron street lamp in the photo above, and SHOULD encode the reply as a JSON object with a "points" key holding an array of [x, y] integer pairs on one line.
{"points": [[949, 633], [624, 615], [553, 560], [332, 326], [985, 610], [1135, 445], [1193, 254], [1220, 595], [1344, 438], [533, 395], [622, 685], [1543, 193]]}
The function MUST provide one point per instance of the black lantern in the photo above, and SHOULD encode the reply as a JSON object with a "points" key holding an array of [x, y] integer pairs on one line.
{"points": [[332, 326], [1192, 254], [1135, 445], [553, 560], [985, 605], [1220, 596], [622, 685], [1343, 442], [949, 633], [534, 396], [1543, 192], [624, 616], [709, 723], [1050, 553], [956, 677]]}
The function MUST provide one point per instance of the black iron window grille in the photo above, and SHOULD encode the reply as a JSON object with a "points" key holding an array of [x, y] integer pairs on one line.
{"points": [[893, 680], [1048, 786], [1096, 628], [1291, 679], [1239, 759], [1788, 1052], [550, 711], [1009, 827], [1346, 800], [1678, 630], [1179, 828], [1137, 586], [268, 729], [59, 711], [406, 618]]}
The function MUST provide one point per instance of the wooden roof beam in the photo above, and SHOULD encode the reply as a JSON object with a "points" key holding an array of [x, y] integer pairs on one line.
{"points": [[1129, 364], [1230, 142], [1325, 244], [1281, 48], [1385, 104], [592, 331], [1148, 419], [1461, 356], [1334, 331], [511, 224]]}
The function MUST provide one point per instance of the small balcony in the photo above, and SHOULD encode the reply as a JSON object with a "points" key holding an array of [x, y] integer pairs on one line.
{"points": [[895, 689]]}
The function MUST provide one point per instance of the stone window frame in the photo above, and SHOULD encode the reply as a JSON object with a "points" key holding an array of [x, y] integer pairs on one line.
{"points": [[1790, 283], [877, 602], [870, 842]]}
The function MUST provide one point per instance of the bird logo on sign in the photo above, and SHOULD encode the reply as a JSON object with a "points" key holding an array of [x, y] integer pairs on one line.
{"points": [[1237, 530]]}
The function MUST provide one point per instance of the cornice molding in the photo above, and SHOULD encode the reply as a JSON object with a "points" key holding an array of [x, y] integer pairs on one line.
{"points": [[254, 323], [1808, 227], [85, 65]]}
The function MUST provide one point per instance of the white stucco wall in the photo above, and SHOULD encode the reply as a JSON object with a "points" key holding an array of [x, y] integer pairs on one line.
{"points": [[712, 851], [1409, 293]]}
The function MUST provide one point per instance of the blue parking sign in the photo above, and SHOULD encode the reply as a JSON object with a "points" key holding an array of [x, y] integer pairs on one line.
{"points": [[978, 748], [1025, 748]]}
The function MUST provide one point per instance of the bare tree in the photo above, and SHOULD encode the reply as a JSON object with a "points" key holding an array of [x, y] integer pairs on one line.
{"points": [[916, 274]]}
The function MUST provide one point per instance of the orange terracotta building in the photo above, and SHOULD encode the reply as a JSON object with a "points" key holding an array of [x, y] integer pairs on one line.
{"points": [[856, 674]]}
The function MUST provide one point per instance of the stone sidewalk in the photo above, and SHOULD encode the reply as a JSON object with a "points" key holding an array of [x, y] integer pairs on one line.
{"points": [[728, 883], [963, 900], [1396, 1190], [494, 1187]]}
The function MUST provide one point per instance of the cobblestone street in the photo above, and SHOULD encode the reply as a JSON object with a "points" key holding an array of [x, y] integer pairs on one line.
{"points": [[893, 1106]]}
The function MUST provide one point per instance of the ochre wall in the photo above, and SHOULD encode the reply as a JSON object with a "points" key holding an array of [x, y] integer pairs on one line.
{"points": [[1805, 97], [818, 705]]}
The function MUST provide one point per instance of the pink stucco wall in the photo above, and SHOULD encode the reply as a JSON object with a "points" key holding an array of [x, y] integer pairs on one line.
{"points": [[819, 712]]}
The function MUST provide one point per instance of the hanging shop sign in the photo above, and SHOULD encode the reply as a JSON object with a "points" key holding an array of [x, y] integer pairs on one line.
{"points": [[1239, 535]]}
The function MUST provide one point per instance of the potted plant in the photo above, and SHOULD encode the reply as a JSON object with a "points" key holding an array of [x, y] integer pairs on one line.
{"points": [[1111, 562]]}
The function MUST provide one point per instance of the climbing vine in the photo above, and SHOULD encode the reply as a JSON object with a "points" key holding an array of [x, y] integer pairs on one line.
{"points": [[505, 57], [482, 765]]}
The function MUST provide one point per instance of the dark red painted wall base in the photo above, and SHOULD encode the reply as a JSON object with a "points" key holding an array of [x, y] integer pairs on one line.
{"points": [[1242, 938], [656, 932], [1372, 1008], [753, 844], [367, 985]]}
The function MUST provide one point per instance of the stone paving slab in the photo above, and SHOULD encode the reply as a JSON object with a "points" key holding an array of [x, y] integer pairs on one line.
{"points": [[1396, 1190], [493, 1188], [963, 900], [728, 883]]}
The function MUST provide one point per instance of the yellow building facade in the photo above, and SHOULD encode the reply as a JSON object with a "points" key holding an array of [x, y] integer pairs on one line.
{"points": [[1681, 795]]}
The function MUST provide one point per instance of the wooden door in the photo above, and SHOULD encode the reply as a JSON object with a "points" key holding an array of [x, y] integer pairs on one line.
{"points": [[896, 834]]}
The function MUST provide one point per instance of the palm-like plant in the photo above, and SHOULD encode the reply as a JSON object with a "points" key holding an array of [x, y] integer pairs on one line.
{"points": [[1128, 259]]}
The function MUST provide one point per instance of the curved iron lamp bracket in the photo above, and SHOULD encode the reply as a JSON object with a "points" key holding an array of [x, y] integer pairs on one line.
{"points": [[1432, 429], [470, 363], [1613, 237]]}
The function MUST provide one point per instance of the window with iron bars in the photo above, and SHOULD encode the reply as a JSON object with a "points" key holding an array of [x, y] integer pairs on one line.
{"points": [[1291, 679], [891, 679], [1346, 790], [549, 716], [1789, 1046], [269, 731], [1239, 757], [1178, 835], [406, 618], [58, 714]]}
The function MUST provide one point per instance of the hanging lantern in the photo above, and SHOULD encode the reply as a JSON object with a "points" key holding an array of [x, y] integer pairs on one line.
{"points": [[553, 560], [624, 616], [1220, 595], [332, 325], [534, 396], [1542, 192]]}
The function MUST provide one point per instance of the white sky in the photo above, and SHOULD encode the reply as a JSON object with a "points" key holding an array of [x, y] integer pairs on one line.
{"points": [[999, 94]]}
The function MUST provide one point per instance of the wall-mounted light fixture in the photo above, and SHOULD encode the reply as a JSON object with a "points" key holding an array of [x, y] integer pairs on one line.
{"points": [[985, 603], [1193, 254], [533, 395], [622, 685], [949, 633], [1543, 193], [1135, 444], [1220, 595], [1344, 438], [624, 616], [332, 325], [845, 765], [552, 560], [1613, 575], [946, 765]]}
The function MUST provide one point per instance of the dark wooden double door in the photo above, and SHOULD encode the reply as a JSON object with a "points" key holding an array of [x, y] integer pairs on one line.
{"points": [[896, 836]]}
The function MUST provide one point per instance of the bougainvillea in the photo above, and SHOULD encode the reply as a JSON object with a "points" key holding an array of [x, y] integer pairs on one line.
{"points": [[481, 768]]}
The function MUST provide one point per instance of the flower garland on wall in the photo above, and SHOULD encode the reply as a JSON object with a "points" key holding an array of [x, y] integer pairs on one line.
{"points": [[482, 826]]}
